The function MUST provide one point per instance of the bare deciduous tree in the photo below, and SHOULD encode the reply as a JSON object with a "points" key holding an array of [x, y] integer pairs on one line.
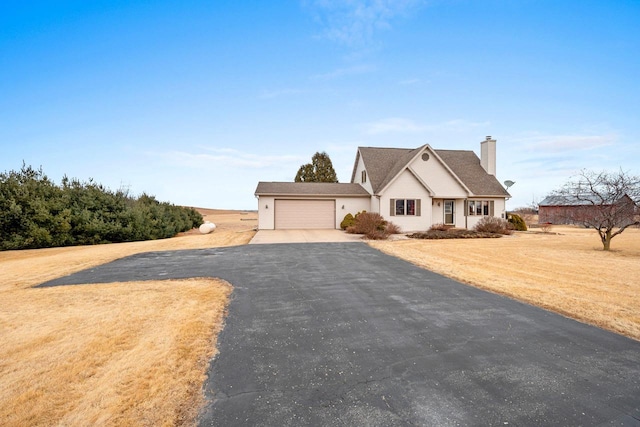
{"points": [[605, 201]]}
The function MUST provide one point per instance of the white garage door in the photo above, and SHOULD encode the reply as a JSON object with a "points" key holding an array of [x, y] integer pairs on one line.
{"points": [[299, 214]]}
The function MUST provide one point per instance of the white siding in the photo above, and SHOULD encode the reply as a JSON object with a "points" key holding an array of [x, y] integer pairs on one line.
{"points": [[498, 211], [266, 209], [406, 186], [437, 177], [352, 205], [358, 176], [437, 211]]}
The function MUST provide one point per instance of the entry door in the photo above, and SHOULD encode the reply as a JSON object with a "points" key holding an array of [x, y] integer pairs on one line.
{"points": [[449, 213]]}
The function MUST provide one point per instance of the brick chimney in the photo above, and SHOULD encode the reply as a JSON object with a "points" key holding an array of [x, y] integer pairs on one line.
{"points": [[488, 155]]}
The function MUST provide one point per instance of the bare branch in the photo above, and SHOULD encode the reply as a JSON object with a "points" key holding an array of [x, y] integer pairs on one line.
{"points": [[607, 202]]}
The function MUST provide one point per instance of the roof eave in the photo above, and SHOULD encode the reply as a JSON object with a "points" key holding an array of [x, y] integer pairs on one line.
{"points": [[311, 195]]}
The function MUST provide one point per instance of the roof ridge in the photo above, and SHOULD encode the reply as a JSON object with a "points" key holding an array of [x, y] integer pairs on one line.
{"points": [[399, 165], [385, 148]]}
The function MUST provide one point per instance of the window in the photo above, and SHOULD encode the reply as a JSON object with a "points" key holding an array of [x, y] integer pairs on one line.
{"points": [[364, 176], [480, 207], [405, 207]]}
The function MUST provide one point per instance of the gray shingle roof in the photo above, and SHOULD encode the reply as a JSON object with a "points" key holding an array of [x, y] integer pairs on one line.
{"points": [[466, 165], [311, 189], [383, 164], [584, 200]]}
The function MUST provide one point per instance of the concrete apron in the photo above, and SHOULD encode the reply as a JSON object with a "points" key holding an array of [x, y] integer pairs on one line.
{"points": [[303, 236]]}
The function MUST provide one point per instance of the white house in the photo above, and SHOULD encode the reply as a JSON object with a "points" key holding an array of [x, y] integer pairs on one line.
{"points": [[413, 188]]}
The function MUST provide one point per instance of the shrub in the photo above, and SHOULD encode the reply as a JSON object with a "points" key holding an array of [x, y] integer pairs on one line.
{"points": [[439, 227], [392, 228], [373, 226], [491, 224], [517, 222], [453, 233], [348, 221], [366, 222], [546, 227]]}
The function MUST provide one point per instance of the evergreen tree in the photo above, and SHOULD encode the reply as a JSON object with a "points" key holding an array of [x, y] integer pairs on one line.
{"points": [[319, 170], [37, 213]]}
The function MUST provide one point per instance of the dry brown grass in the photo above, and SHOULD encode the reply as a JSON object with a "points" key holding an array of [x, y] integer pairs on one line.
{"points": [[567, 273], [112, 354], [116, 354]]}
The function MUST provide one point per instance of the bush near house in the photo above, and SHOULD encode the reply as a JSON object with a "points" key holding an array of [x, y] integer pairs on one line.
{"points": [[373, 226], [453, 233], [517, 223], [487, 228], [439, 227], [491, 224], [348, 221], [37, 213]]}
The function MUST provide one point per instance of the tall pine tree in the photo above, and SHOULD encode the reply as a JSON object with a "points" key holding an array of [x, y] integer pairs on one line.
{"points": [[319, 170]]}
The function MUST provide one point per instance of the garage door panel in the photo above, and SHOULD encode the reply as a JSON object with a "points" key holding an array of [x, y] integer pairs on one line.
{"points": [[301, 214]]}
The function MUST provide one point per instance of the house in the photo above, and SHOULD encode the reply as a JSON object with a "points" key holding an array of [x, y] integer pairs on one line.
{"points": [[413, 188], [566, 209]]}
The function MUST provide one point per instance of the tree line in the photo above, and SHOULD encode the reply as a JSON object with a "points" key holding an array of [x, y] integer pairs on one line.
{"points": [[37, 213]]}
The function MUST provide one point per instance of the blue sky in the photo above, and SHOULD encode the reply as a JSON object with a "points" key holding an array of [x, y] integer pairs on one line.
{"points": [[196, 101]]}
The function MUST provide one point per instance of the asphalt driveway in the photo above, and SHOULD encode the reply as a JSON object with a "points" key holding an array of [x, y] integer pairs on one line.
{"points": [[341, 334]]}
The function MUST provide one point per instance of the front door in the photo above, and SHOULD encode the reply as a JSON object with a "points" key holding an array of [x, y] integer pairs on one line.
{"points": [[449, 212]]}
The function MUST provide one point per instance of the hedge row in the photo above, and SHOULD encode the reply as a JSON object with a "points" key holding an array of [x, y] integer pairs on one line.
{"points": [[37, 213]]}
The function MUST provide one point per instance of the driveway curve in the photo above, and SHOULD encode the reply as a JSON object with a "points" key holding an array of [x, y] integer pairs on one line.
{"points": [[339, 334]]}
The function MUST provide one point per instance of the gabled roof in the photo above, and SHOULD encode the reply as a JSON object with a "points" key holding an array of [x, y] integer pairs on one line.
{"points": [[466, 165], [384, 164], [310, 188]]}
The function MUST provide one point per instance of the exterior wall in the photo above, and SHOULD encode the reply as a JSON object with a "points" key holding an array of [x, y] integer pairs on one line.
{"points": [[578, 214], [358, 176], [458, 212], [266, 213], [352, 205], [499, 206], [266, 208], [437, 211], [559, 214], [375, 204], [437, 177], [461, 220], [406, 186]]}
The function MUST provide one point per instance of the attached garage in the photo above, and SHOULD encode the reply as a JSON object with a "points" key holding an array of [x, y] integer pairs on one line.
{"points": [[308, 205], [305, 214]]}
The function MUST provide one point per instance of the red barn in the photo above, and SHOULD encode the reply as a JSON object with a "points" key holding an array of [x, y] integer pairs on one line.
{"points": [[581, 210]]}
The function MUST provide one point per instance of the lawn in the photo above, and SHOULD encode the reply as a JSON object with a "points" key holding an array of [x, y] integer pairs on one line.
{"points": [[568, 272], [131, 353]]}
